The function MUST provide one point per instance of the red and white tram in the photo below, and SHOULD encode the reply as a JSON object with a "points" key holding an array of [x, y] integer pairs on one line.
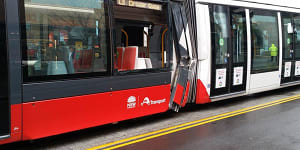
{"points": [[72, 64]]}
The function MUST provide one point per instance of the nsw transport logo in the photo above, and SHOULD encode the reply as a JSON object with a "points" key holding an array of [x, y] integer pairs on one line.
{"points": [[146, 101], [131, 102]]}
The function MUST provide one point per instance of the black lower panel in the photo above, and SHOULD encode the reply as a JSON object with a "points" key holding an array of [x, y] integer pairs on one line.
{"points": [[273, 128], [4, 117], [60, 89]]}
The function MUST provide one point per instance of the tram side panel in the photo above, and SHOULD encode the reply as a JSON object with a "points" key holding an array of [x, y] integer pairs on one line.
{"points": [[139, 51], [260, 67], [65, 48], [15, 125], [56, 116], [271, 49], [204, 54], [266, 38], [12, 46]]}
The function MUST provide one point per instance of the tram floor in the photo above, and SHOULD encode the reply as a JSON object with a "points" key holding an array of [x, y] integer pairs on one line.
{"points": [[216, 133]]}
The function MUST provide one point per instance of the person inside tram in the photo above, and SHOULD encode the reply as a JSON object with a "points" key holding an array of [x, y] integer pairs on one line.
{"points": [[265, 42], [274, 52]]}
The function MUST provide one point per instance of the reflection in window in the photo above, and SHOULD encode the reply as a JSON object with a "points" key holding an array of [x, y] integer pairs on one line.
{"points": [[297, 36], [287, 37], [141, 37], [264, 30], [65, 37], [239, 35], [220, 34]]}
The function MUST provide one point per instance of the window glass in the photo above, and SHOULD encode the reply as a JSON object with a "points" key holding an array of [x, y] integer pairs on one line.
{"points": [[141, 36], [220, 34], [239, 40], [287, 37], [65, 37], [297, 36], [264, 30]]}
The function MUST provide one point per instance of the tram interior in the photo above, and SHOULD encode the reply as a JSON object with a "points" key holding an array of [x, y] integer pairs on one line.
{"points": [[140, 39], [297, 36], [264, 35], [71, 38], [65, 38]]}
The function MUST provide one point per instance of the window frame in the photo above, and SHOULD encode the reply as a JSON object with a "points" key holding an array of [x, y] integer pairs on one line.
{"points": [[168, 42], [41, 90], [46, 78], [214, 42], [264, 13], [295, 35], [245, 57], [283, 15]]}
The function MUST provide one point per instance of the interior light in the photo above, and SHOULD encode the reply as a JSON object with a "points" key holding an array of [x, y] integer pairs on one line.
{"points": [[59, 8]]}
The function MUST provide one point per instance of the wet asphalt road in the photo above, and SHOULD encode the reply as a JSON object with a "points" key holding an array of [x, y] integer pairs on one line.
{"points": [[273, 128]]}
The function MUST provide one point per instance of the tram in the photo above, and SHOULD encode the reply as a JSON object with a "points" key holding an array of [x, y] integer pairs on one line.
{"points": [[68, 65]]}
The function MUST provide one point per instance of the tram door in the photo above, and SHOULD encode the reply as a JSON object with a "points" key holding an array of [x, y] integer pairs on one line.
{"points": [[291, 48], [4, 101], [229, 50]]}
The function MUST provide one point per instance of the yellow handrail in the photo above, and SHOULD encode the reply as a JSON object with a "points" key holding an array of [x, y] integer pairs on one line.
{"points": [[122, 30]]}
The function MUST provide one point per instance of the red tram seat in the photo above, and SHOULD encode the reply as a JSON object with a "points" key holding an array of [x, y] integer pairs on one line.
{"points": [[127, 59], [86, 60], [130, 56], [83, 59]]}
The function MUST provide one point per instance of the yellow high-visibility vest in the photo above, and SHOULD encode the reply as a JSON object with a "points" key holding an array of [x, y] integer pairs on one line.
{"points": [[274, 50]]}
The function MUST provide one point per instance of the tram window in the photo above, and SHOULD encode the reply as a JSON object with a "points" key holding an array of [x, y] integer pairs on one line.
{"points": [[265, 45], [140, 36], [297, 36], [238, 35], [287, 37], [221, 36], [64, 37]]}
